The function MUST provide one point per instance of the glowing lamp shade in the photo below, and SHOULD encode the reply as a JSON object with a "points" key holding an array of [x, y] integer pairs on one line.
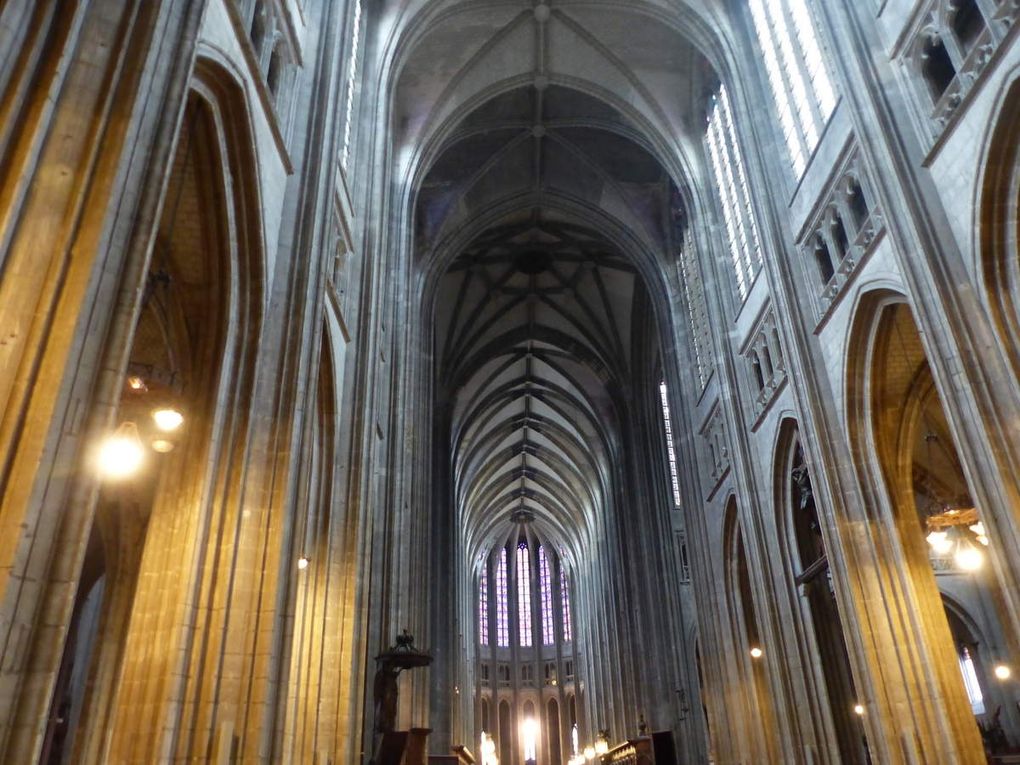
{"points": [[589, 752], [167, 419], [162, 446], [756, 653], [858, 709], [302, 563], [1002, 672], [968, 557], [121, 453], [939, 541]]}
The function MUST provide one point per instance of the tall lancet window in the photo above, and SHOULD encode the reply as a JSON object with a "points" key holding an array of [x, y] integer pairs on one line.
{"points": [[568, 633], [697, 309], [502, 612], [545, 582], [670, 451], [800, 85], [731, 181], [523, 595], [352, 80], [483, 607]]}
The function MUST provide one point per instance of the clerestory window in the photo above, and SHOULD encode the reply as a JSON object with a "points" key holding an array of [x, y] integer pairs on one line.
{"points": [[483, 608], [352, 79], [502, 616], [568, 633], [545, 583], [697, 309], [731, 181], [799, 82], [670, 450], [523, 595]]}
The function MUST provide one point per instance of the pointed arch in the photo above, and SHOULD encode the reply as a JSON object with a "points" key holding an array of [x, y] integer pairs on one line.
{"points": [[999, 222]]}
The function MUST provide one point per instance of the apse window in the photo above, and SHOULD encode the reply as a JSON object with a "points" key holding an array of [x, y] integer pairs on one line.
{"points": [[670, 451], [502, 614], [800, 85], [565, 599], [545, 583], [731, 181], [483, 609], [523, 595]]}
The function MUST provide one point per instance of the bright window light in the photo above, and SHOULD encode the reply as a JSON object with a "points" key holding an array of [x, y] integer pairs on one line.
{"points": [[523, 595]]}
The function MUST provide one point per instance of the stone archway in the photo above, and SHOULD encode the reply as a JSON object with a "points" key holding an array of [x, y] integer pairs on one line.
{"points": [[999, 237], [751, 681], [193, 347], [822, 648], [892, 405]]}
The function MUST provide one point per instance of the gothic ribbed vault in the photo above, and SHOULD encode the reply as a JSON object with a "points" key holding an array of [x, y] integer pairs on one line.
{"points": [[543, 215]]}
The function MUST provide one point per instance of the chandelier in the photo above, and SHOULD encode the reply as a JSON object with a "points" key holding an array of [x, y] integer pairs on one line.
{"points": [[954, 531]]}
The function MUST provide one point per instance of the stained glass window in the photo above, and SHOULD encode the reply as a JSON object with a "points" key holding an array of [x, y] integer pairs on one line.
{"points": [[565, 599], [352, 78], [523, 595], [731, 182], [800, 85], [502, 615], [545, 582], [483, 608]]}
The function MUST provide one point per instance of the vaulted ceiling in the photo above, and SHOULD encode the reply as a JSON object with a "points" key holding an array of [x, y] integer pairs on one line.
{"points": [[544, 142]]}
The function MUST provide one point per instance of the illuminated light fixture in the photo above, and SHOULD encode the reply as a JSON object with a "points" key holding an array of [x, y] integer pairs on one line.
{"points": [[939, 541], [488, 750], [756, 652], [858, 709], [968, 557], [589, 752], [167, 419], [529, 738], [121, 454], [1002, 671], [162, 446], [979, 532], [136, 383], [302, 563], [602, 742]]}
